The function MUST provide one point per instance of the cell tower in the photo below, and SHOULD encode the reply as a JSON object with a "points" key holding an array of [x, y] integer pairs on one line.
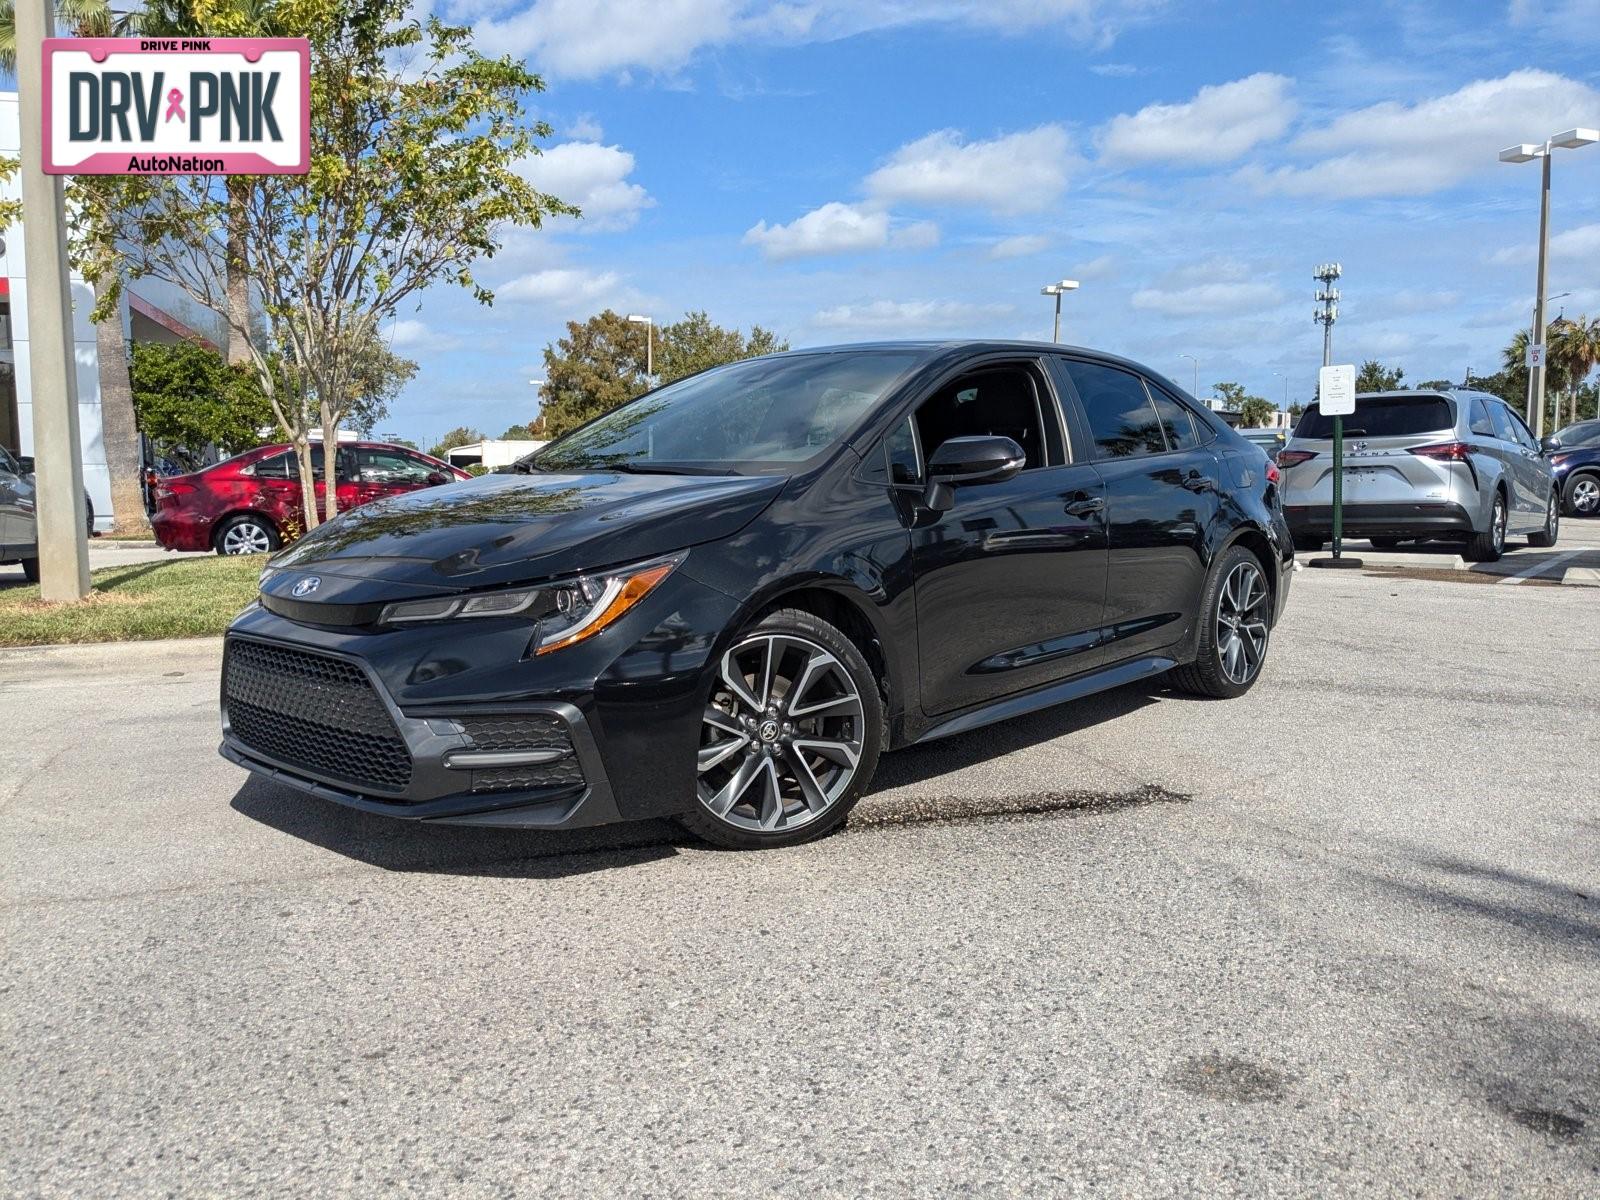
{"points": [[1328, 297]]}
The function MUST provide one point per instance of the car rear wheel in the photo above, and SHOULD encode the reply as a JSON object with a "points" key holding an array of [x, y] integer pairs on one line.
{"points": [[1552, 524], [1384, 543], [1491, 543], [30, 570], [1583, 495], [1235, 627], [246, 534], [790, 736]]}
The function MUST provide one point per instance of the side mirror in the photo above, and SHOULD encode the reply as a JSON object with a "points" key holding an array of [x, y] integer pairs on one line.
{"points": [[435, 478], [1549, 444], [24, 464], [963, 461]]}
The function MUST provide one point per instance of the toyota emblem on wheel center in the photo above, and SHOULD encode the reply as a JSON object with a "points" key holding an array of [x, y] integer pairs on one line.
{"points": [[306, 586]]}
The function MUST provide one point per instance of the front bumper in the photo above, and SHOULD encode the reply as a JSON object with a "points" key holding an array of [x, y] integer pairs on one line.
{"points": [[1441, 519]]}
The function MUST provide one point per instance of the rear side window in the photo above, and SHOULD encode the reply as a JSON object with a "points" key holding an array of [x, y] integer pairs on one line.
{"points": [[1504, 427], [1177, 422], [1122, 420], [1392, 416], [1580, 435], [1480, 422], [279, 466]]}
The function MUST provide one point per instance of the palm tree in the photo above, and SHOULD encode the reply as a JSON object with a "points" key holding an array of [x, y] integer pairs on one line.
{"points": [[119, 429], [1576, 344]]}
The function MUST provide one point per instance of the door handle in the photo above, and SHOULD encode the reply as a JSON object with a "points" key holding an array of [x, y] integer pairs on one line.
{"points": [[1086, 506]]}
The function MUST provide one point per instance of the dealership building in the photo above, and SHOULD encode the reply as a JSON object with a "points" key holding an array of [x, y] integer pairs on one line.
{"points": [[151, 311]]}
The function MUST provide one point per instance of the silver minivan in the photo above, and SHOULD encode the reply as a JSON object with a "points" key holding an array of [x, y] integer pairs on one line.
{"points": [[1421, 465]]}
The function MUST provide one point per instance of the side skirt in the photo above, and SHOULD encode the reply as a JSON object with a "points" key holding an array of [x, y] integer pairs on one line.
{"points": [[1046, 697]]}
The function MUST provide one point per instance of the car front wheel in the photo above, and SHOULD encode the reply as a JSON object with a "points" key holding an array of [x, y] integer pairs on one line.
{"points": [[790, 736], [246, 534], [1235, 627]]}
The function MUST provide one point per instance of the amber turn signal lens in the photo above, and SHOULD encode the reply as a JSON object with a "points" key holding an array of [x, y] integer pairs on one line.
{"points": [[632, 590]]}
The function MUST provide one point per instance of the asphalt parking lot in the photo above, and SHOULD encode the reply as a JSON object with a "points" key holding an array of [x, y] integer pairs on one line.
{"points": [[1340, 937]]}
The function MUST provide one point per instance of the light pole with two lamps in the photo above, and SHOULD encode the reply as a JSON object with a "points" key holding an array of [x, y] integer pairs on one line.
{"points": [[1058, 290], [1196, 362], [1572, 139], [649, 342]]}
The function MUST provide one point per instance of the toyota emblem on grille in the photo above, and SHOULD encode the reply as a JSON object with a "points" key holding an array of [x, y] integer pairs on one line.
{"points": [[306, 586]]}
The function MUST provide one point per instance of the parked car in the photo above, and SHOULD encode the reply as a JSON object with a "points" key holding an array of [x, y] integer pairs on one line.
{"points": [[1574, 454], [244, 504], [722, 600], [1421, 465], [19, 536], [1270, 440]]}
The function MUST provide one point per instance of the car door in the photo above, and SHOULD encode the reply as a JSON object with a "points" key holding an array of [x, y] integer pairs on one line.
{"points": [[10, 510], [1523, 468], [1161, 490], [1010, 580]]}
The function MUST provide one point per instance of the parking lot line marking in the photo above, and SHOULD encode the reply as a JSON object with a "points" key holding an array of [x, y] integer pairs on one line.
{"points": [[1531, 571]]}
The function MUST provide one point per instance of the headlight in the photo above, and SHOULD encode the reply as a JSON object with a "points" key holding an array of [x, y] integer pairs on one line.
{"points": [[566, 612]]}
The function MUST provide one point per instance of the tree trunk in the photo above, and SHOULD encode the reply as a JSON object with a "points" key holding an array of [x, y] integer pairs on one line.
{"points": [[330, 465], [119, 429], [238, 313], [308, 484]]}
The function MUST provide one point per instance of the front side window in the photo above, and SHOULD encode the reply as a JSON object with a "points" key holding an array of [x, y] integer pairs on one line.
{"points": [[1122, 419], [1520, 431], [761, 415], [1504, 428], [1003, 401], [394, 467]]}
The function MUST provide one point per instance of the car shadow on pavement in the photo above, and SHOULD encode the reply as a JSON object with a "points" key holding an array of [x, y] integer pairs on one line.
{"points": [[396, 845]]}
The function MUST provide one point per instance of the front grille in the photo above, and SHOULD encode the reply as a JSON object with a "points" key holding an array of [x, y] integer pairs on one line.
{"points": [[523, 732], [314, 711]]}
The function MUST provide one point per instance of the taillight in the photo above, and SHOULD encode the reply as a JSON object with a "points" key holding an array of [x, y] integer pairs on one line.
{"points": [[1273, 474], [1293, 458], [1445, 451], [169, 489]]}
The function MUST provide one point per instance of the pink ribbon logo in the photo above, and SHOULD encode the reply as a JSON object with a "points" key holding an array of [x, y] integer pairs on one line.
{"points": [[175, 105]]}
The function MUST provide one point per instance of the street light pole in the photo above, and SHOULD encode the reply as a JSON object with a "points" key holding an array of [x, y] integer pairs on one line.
{"points": [[649, 342], [1196, 362], [1572, 139], [1058, 290], [58, 460]]}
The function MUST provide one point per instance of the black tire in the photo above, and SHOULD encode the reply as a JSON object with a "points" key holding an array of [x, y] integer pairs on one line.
{"points": [[1209, 675], [1384, 543], [30, 570], [1488, 546], [1308, 543], [1547, 536], [1589, 482], [732, 830], [250, 530]]}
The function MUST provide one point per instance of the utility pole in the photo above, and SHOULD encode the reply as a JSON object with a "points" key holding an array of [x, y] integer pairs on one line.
{"points": [[58, 461]]}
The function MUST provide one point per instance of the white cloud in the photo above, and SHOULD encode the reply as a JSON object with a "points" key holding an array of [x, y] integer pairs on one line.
{"points": [[1581, 243], [1394, 149], [584, 128], [1217, 288], [414, 336], [1221, 123], [1017, 172], [911, 316], [562, 288], [1020, 246], [588, 38], [592, 176], [834, 228]]}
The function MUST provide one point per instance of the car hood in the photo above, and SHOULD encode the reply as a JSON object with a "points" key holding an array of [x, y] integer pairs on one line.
{"points": [[500, 529]]}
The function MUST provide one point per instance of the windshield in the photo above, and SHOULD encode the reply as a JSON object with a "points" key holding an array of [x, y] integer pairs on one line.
{"points": [[762, 414], [1392, 416], [1585, 434]]}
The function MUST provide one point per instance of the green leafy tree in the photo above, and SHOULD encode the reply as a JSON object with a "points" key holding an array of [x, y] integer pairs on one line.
{"points": [[597, 366], [696, 343], [1231, 394], [518, 433], [416, 141], [1375, 377], [185, 394], [461, 435], [1255, 411]]}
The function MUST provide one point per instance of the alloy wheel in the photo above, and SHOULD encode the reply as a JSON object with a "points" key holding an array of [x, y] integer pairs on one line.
{"points": [[782, 736], [1242, 623], [1586, 496], [1552, 518], [1498, 525], [246, 538]]}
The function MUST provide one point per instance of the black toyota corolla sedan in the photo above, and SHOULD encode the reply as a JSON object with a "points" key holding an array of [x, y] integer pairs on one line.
{"points": [[723, 600]]}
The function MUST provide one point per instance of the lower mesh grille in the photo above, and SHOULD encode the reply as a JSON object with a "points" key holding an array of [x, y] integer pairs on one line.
{"points": [[313, 711], [523, 732]]}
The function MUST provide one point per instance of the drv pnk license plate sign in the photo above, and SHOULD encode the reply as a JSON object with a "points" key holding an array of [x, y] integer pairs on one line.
{"points": [[177, 106]]}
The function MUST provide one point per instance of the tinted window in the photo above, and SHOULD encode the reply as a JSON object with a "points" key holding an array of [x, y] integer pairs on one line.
{"points": [[998, 400], [764, 413], [1176, 421], [1587, 434], [287, 466], [1392, 416], [1481, 422], [1520, 430], [391, 466], [1504, 428], [896, 460], [1122, 420]]}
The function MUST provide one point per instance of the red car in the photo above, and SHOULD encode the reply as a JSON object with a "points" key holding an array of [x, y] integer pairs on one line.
{"points": [[243, 504]]}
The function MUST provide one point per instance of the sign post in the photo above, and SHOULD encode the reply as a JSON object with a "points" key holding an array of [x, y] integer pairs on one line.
{"points": [[1336, 398]]}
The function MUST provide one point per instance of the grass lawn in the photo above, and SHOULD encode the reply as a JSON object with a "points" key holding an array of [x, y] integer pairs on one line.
{"points": [[189, 597]]}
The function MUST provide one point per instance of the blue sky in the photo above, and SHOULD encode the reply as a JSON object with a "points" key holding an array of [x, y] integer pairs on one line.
{"points": [[843, 171]]}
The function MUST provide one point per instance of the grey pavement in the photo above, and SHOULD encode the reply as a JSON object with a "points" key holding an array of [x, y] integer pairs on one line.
{"points": [[1573, 561], [105, 553], [1339, 937]]}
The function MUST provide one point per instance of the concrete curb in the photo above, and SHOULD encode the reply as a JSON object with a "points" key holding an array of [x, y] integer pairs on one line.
{"points": [[187, 653]]}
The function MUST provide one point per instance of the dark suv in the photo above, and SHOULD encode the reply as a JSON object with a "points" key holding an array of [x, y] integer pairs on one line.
{"points": [[1575, 458], [722, 600]]}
